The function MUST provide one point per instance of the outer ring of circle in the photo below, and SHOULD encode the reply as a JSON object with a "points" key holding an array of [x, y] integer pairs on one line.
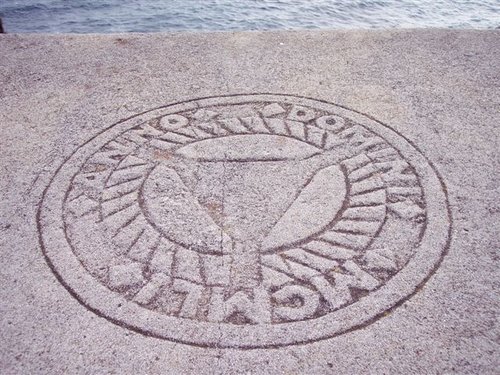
{"points": [[105, 303]]}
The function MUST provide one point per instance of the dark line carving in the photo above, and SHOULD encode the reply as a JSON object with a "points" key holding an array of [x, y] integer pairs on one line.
{"points": [[356, 232]]}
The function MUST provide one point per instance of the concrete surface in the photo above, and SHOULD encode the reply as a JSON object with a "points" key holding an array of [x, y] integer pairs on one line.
{"points": [[279, 202]]}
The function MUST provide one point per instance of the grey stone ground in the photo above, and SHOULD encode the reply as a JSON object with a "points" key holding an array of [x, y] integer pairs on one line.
{"points": [[440, 89]]}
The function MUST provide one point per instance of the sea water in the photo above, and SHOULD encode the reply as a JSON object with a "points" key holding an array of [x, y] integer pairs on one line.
{"points": [[93, 16]]}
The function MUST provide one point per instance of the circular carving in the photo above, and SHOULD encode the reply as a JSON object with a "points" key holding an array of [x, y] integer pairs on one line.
{"points": [[245, 221]]}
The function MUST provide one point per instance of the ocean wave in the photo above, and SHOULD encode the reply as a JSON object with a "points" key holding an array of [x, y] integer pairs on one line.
{"points": [[86, 16]]}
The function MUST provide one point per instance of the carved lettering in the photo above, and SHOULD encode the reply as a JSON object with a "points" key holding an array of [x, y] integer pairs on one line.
{"points": [[256, 310], [295, 302]]}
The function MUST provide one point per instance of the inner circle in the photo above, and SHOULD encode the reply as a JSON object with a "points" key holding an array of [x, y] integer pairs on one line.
{"points": [[205, 197]]}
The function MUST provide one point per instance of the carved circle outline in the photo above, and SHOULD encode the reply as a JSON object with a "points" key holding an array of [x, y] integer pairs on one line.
{"points": [[105, 303]]}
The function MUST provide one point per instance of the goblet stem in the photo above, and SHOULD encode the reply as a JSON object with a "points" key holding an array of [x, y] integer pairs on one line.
{"points": [[245, 265]]}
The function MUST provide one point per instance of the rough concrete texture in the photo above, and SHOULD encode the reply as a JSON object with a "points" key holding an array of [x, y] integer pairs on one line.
{"points": [[278, 202]]}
